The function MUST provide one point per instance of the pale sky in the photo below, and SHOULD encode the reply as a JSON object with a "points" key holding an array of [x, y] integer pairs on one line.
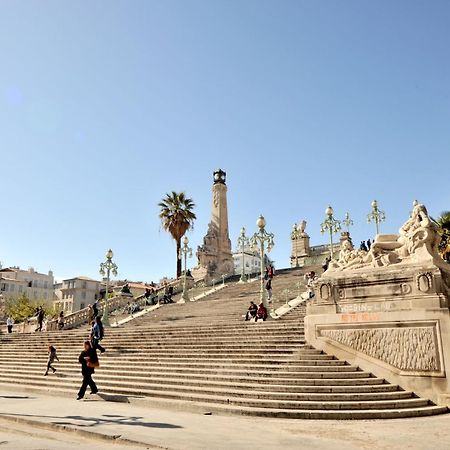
{"points": [[105, 106]]}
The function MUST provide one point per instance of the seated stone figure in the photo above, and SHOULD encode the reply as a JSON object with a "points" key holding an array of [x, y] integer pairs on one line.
{"points": [[349, 257], [417, 241]]}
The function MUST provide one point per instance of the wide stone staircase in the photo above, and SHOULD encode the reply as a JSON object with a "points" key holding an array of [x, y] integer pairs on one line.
{"points": [[203, 356]]}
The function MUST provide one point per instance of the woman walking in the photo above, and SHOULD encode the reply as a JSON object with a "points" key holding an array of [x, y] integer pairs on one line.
{"points": [[51, 359], [89, 361]]}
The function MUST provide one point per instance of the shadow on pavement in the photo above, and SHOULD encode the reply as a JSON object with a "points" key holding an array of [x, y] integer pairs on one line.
{"points": [[17, 397], [102, 420]]}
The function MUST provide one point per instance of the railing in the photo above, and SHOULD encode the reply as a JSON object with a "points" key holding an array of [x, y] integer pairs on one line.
{"points": [[84, 315]]}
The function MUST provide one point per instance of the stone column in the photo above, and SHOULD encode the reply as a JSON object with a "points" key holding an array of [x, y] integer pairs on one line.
{"points": [[214, 256]]}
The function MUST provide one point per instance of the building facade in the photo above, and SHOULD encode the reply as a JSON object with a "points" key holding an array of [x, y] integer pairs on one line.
{"points": [[14, 282], [76, 293]]}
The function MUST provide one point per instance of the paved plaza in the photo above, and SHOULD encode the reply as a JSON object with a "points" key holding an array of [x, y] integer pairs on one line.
{"points": [[28, 420]]}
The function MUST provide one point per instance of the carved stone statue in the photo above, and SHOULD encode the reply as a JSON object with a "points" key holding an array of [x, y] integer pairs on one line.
{"points": [[301, 227], [416, 242]]}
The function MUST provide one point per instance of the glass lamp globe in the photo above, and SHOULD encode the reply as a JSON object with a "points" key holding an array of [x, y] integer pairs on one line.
{"points": [[261, 222]]}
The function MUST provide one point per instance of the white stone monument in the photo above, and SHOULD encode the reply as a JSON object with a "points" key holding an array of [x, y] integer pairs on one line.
{"points": [[387, 310]]}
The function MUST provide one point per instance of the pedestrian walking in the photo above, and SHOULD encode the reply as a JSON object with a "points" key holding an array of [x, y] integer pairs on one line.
{"points": [[89, 361], [40, 318], [97, 334], [95, 309], [326, 263], [9, 324], [51, 359], [269, 289], [310, 279], [61, 320]]}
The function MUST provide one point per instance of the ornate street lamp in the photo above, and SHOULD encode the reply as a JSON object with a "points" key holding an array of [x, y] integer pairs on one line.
{"points": [[296, 234], [348, 222], [185, 251], [242, 242], [106, 269], [376, 215], [260, 238], [331, 225]]}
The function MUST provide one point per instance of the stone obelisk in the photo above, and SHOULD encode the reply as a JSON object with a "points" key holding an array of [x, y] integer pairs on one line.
{"points": [[214, 256]]}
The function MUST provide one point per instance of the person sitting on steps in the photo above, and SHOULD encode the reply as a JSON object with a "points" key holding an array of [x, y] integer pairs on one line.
{"points": [[261, 313], [251, 312]]}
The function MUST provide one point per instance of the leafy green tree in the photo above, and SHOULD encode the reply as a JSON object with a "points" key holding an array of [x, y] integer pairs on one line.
{"points": [[177, 217], [443, 223], [22, 308]]}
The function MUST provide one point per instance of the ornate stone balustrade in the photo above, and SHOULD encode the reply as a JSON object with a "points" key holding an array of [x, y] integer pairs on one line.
{"points": [[82, 316]]}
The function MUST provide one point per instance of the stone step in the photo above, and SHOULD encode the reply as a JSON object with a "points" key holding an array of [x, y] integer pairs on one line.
{"points": [[139, 377], [138, 365], [236, 371], [246, 401], [165, 339], [122, 384]]}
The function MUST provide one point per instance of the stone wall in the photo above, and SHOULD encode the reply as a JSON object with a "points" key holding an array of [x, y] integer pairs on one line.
{"points": [[393, 322]]}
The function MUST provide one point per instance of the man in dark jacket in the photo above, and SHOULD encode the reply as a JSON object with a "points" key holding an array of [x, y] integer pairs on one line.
{"points": [[40, 318], [87, 355]]}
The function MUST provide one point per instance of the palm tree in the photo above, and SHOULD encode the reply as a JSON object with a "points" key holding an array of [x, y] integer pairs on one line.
{"points": [[177, 217], [443, 223]]}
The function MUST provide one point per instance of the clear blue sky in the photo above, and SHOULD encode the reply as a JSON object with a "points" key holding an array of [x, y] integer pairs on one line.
{"points": [[107, 105]]}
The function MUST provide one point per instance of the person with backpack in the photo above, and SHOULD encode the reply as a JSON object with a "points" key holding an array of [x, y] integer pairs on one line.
{"points": [[51, 359], [97, 334], [89, 362]]}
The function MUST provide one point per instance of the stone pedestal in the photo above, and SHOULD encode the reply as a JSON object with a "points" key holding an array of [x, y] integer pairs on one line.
{"points": [[387, 310], [214, 256]]}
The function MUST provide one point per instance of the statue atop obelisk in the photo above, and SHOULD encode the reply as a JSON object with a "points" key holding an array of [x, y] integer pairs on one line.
{"points": [[214, 256]]}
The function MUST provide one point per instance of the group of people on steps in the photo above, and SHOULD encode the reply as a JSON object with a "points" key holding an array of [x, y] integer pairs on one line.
{"points": [[259, 312]]}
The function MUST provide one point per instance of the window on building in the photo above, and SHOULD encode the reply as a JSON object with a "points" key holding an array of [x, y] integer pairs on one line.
{"points": [[12, 288], [83, 295], [20, 288], [84, 285], [82, 306]]}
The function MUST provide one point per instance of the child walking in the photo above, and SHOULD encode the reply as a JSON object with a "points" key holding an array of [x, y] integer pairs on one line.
{"points": [[51, 359]]}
